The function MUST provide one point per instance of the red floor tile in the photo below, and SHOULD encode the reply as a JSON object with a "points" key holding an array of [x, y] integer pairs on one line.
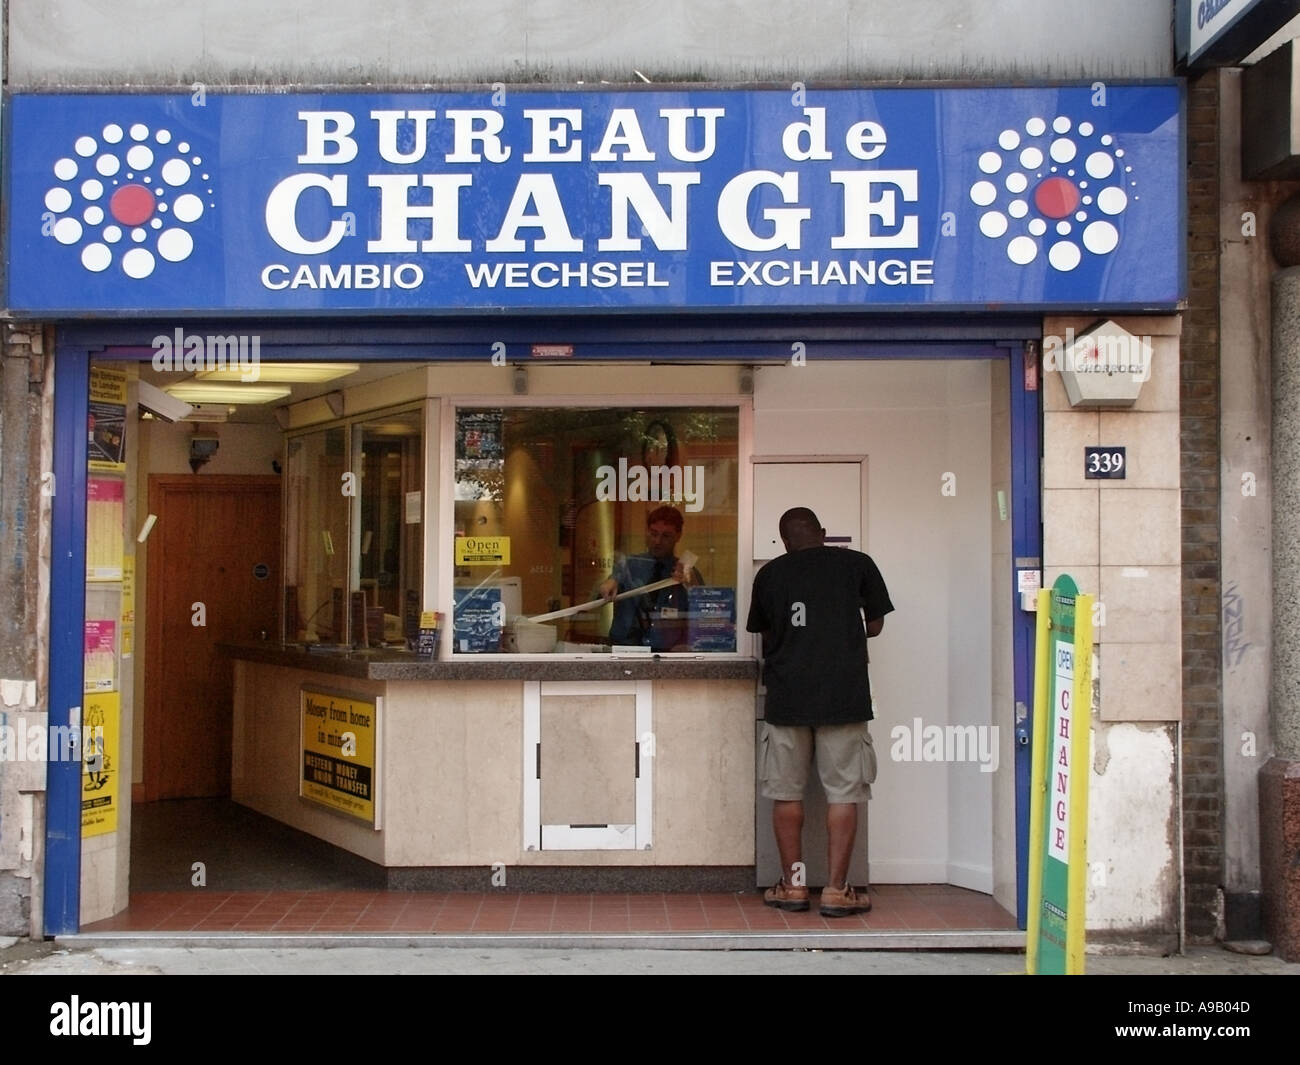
{"points": [[526, 924], [454, 924], [914, 907]]}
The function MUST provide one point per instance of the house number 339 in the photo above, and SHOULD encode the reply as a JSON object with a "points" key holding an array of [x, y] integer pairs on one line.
{"points": [[1104, 463]]}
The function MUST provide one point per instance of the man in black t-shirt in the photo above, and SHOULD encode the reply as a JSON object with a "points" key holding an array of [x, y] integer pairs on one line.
{"points": [[810, 605]]}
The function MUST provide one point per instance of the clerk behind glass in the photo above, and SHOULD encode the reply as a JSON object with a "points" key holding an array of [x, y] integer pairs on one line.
{"points": [[640, 620]]}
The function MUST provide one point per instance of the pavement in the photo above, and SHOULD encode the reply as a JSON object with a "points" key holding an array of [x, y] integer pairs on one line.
{"points": [[28, 957], [87, 981]]}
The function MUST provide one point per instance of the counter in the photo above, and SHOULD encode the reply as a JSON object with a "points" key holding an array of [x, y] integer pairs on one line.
{"points": [[532, 771], [379, 664]]}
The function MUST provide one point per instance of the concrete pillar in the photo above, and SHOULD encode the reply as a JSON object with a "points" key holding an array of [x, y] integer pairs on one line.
{"points": [[22, 642], [1279, 780]]}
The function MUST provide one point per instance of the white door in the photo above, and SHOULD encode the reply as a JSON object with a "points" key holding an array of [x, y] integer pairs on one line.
{"points": [[831, 488]]}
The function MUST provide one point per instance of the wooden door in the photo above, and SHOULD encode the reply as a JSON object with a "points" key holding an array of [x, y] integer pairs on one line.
{"points": [[213, 576]]}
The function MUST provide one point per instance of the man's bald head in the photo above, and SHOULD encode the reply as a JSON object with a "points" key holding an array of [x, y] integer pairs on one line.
{"points": [[800, 528]]}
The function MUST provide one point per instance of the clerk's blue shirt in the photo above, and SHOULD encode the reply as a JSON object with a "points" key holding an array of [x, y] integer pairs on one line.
{"points": [[638, 620]]}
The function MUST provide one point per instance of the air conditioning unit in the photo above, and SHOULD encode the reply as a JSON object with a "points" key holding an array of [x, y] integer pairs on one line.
{"points": [[158, 404], [207, 412]]}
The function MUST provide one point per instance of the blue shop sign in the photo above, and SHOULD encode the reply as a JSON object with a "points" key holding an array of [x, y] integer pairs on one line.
{"points": [[852, 199]]}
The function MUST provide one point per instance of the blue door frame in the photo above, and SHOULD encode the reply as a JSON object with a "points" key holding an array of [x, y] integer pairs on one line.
{"points": [[67, 638], [741, 339], [1026, 547]]}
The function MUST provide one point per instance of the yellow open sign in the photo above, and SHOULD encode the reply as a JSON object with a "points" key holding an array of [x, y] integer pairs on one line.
{"points": [[482, 550]]}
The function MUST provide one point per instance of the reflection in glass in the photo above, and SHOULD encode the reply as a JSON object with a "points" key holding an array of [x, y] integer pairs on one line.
{"points": [[353, 532], [576, 496], [316, 538], [388, 453]]}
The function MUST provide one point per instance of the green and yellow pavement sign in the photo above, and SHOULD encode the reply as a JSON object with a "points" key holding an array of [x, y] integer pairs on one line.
{"points": [[1058, 812]]}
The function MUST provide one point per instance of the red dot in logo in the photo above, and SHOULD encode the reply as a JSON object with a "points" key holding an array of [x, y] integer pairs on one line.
{"points": [[1056, 197], [131, 205]]}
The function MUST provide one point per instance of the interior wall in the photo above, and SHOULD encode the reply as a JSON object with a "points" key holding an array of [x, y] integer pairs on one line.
{"points": [[916, 421], [244, 449], [1000, 626], [106, 858], [970, 642]]}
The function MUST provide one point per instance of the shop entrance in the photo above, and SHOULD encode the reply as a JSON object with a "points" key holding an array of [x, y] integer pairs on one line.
{"points": [[911, 462], [941, 511]]}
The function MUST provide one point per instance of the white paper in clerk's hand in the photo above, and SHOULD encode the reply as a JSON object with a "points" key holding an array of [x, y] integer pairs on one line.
{"points": [[687, 560]]}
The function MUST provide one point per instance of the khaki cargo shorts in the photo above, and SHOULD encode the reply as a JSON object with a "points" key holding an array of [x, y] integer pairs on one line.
{"points": [[846, 760]]}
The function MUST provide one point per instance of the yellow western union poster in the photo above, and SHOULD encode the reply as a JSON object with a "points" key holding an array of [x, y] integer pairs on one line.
{"points": [[100, 756], [338, 752], [127, 633]]}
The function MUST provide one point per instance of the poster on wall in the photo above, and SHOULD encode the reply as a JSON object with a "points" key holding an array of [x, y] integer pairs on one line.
{"points": [[101, 731], [106, 428], [480, 462], [128, 605], [101, 655], [105, 502], [712, 619], [339, 752], [477, 620], [478, 434]]}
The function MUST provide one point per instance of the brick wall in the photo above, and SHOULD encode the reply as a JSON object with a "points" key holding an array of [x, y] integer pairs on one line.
{"points": [[1202, 784]]}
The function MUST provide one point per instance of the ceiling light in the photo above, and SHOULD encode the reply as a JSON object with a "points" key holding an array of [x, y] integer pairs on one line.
{"points": [[213, 392], [287, 372]]}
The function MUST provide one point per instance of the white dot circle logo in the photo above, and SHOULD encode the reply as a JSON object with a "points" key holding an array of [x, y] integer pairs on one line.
{"points": [[128, 195], [1053, 189]]}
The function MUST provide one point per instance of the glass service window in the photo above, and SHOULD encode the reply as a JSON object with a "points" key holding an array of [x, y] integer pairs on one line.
{"points": [[316, 538], [556, 508], [388, 454], [354, 533]]}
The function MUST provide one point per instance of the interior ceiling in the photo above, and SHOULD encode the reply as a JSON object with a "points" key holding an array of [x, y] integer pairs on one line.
{"points": [[265, 412]]}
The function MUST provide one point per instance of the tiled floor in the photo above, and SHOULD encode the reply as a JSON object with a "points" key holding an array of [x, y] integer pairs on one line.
{"points": [[265, 877], [896, 907]]}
